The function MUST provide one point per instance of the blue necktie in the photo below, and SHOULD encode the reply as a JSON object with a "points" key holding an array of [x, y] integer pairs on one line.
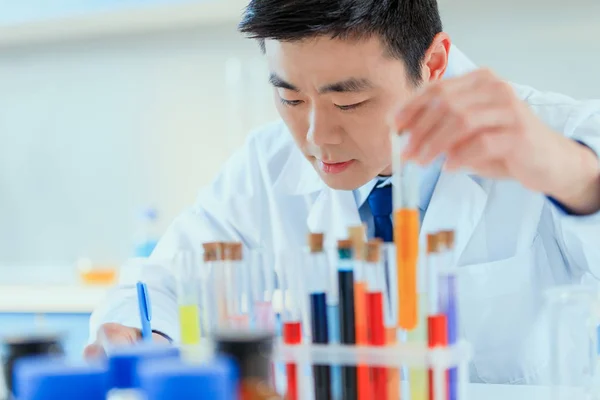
{"points": [[380, 202]]}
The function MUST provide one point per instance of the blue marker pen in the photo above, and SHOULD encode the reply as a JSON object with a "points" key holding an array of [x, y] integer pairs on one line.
{"points": [[145, 311]]}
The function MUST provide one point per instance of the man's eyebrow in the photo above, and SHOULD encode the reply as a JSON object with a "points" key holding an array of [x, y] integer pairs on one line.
{"points": [[348, 85], [278, 82]]}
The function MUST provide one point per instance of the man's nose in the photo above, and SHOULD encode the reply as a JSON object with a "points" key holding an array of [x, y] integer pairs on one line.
{"points": [[322, 130]]}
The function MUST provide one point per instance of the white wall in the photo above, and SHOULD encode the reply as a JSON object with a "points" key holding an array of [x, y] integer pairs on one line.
{"points": [[90, 130]]}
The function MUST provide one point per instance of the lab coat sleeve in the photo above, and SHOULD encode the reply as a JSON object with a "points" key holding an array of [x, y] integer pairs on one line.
{"points": [[578, 236], [222, 213]]}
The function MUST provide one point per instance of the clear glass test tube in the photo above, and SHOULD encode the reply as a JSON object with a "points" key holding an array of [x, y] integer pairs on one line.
{"points": [[262, 277], [237, 285], [317, 276], [187, 273], [376, 296], [573, 341], [390, 306], [406, 217], [214, 287], [405, 175]]}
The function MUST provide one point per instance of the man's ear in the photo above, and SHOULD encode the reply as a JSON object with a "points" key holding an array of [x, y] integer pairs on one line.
{"points": [[436, 58]]}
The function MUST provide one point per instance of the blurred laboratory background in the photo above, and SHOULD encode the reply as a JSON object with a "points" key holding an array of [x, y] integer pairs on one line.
{"points": [[114, 113]]}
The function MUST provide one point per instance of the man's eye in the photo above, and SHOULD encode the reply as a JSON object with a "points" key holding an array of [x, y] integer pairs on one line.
{"points": [[290, 103], [350, 106]]}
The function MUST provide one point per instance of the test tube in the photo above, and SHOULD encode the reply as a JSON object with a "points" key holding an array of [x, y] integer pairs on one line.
{"points": [[237, 286], [292, 319], [333, 318], [212, 295], [448, 301], [187, 278], [347, 314], [262, 276], [318, 276], [357, 235], [428, 306], [573, 340], [437, 337], [390, 306], [436, 319], [376, 296], [406, 230]]}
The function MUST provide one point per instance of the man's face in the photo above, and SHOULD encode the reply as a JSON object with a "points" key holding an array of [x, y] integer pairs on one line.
{"points": [[336, 97]]}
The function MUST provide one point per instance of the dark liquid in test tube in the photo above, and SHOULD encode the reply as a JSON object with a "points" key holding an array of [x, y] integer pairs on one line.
{"points": [[320, 335], [347, 331]]}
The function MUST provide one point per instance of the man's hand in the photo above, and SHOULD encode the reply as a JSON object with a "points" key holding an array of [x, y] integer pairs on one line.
{"points": [[478, 121], [115, 334]]}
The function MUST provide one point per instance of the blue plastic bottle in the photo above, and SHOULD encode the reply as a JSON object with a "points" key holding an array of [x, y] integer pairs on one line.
{"points": [[217, 380], [124, 364], [147, 235], [52, 378]]}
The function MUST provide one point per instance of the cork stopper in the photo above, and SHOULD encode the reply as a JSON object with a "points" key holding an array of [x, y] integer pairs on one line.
{"points": [[344, 244], [232, 251], [315, 242], [433, 242], [373, 250], [211, 252], [221, 250], [357, 237], [448, 238]]}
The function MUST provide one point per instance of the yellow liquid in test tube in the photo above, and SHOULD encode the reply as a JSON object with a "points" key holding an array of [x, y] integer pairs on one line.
{"points": [[189, 322], [418, 377]]}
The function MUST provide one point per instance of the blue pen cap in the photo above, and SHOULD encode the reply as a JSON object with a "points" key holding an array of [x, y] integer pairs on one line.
{"points": [[40, 378], [216, 380], [123, 363]]}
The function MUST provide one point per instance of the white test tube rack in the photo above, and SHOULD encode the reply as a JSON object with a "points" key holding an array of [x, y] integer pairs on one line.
{"points": [[400, 355]]}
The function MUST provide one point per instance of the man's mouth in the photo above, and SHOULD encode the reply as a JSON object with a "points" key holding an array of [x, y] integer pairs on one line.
{"points": [[332, 167]]}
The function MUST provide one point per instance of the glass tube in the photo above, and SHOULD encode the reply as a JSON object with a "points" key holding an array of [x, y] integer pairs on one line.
{"points": [[237, 297], [187, 273], [262, 276], [406, 217], [573, 341]]}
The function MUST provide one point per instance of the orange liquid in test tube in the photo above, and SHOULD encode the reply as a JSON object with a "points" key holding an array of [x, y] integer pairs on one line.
{"points": [[362, 338], [406, 238]]}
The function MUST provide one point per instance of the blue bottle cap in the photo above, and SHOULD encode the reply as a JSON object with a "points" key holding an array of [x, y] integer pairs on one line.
{"points": [[217, 380], [40, 378], [123, 362]]}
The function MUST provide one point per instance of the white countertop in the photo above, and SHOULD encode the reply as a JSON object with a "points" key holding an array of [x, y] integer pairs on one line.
{"points": [[519, 392], [55, 298]]}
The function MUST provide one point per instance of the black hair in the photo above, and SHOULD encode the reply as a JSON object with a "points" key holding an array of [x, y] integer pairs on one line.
{"points": [[406, 27]]}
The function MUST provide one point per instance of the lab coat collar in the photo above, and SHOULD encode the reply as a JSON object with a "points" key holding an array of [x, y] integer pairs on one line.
{"points": [[458, 63]]}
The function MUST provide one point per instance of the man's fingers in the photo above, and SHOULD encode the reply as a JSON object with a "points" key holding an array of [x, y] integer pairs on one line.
{"points": [[479, 150], [111, 334], [93, 351], [456, 129], [118, 334], [436, 90]]}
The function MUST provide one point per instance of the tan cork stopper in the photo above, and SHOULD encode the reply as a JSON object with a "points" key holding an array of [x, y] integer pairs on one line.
{"points": [[357, 236], [433, 243], [448, 238], [373, 250], [315, 242], [211, 252], [344, 244]]}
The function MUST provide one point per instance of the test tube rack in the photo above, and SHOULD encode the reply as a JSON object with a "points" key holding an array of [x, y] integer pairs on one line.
{"points": [[402, 355]]}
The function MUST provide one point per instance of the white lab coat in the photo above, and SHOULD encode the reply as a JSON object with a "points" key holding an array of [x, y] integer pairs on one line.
{"points": [[511, 243]]}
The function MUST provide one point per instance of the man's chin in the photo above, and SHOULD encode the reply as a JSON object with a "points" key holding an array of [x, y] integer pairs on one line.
{"points": [[342, 182]]}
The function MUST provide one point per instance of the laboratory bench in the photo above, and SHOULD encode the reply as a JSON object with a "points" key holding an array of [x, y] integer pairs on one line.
{"points": [[64, 308]]}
